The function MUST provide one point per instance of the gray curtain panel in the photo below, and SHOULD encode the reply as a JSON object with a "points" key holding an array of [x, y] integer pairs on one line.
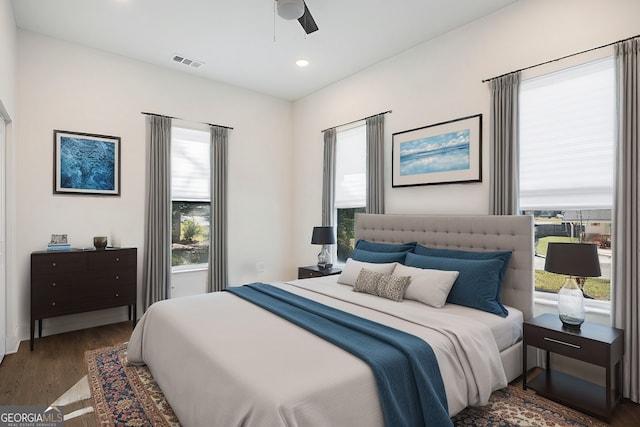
{"points": [[156, 275], [217, 277], [504, 144], [375, 164], [626, 233], [329, 176]]}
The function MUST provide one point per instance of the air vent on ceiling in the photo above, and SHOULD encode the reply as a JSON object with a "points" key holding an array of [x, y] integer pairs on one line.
{"points": [[186, 61]]}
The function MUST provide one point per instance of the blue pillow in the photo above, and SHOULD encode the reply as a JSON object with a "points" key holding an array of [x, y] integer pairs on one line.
{"points": [[385, 247], [477, 284], [377, 257], [503, 256]]}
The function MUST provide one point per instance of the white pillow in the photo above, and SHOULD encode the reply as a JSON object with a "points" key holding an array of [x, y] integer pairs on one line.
{"points": [[352, 268], [428, 286]]}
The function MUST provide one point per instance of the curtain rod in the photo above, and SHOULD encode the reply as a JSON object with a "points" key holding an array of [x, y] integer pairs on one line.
{"points": [[354, 121], [178, 118], [561, 58]]}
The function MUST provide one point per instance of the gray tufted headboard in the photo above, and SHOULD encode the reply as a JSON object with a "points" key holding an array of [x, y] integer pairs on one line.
{"points": [[473, 233]]}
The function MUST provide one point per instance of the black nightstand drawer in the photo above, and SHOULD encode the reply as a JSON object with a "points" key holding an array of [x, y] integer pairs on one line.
{"points": [[315, 271], [567, 344]]}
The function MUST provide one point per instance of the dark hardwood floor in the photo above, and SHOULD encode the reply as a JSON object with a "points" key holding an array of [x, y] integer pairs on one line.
{"points": [[41, 376], [626, 414], [57, 363]]}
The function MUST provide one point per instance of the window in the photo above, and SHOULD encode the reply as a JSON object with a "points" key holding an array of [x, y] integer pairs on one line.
{"points": [[190, 196], [351, 182], [567, 137]]}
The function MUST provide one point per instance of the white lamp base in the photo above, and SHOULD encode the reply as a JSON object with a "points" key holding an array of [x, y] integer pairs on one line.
{"points": [[324, 258], [571, 304]]}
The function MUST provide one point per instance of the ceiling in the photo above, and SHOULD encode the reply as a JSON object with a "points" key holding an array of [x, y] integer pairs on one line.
{"points": [[243, 43]]}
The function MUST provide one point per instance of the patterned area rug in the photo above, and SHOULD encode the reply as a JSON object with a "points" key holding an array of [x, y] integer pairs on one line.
{"points": [[123, 394], [513, 406], [128, 395]]}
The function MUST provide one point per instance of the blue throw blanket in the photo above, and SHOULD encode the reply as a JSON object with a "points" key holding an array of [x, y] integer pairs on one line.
{"points": [[405, 367]]}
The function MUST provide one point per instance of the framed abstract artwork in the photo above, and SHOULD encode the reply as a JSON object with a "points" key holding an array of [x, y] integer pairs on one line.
{"points": [[441, 153], [86, 163]]}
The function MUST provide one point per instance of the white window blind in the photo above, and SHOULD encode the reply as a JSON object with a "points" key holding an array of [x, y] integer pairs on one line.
{"points": [[567, 136], [351, 164], [190, 165]]}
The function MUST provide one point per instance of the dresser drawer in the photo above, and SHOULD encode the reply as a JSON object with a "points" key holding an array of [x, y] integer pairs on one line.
{"points": [[53, 307], [61, 303], [114, 296], [110, 259], [115, 275], [42, 282], [45, 264], [59, 288]]}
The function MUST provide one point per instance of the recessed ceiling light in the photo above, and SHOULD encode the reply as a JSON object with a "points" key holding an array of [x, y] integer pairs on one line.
{"points": [[302, 62]]}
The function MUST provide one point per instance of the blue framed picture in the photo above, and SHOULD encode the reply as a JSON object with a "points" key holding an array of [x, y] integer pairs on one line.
{"points": [[86, 163], [442, 153]]}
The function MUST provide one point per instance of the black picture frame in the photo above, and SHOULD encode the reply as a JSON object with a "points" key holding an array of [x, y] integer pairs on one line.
{"points": [[441, 153], [86, 164]]}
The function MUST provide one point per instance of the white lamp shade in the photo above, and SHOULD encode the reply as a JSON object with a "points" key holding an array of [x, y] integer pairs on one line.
{"points": [[290, 9]]}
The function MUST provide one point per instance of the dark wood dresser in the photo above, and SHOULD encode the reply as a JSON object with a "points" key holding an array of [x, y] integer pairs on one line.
{"points": [[69, 282]]}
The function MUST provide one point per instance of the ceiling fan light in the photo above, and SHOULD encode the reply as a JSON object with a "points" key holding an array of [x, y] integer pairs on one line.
{"points": [[290, 9]]}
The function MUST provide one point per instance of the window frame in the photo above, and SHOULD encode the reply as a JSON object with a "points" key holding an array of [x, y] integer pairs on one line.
{"points": [[185, 268], [548, 299], [359, 124]]}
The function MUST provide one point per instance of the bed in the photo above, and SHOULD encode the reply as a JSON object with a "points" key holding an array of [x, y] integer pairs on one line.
{"points": [[221, 360]]}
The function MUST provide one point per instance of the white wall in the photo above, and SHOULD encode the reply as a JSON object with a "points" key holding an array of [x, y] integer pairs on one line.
{"points": [[8, 66], [70, 87], [8, 57], [442, 80]]}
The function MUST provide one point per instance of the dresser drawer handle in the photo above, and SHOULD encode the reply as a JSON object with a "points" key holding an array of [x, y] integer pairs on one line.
{"points": [[117, 259], [53, 303], [117, 277], [53, 264], [568, 344], [117, 295], [53, 284]]}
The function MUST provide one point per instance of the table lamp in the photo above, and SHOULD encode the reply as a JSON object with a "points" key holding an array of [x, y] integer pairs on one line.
{"points": [[323, 236], [574, 259]]}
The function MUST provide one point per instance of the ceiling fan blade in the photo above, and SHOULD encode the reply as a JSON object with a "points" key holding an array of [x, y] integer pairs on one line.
{"points": [[306, 20]]}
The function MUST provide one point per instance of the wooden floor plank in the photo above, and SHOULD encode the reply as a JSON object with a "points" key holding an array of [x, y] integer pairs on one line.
{"points": [[41, 376]]}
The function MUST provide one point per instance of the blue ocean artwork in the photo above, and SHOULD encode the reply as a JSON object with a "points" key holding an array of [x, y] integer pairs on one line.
{"points": [[87, 164], [441, 153]]}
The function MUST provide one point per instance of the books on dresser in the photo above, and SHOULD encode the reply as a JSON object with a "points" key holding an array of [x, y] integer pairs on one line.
{"points": [[58, 247], [58, 242]]}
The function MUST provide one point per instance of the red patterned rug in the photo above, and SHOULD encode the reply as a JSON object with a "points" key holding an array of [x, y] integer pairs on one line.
{"points": [[512, 406], [123, 394], [126, 395]]}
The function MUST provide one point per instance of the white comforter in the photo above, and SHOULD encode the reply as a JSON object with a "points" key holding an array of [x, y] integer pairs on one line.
{"points": [[222, 361]]}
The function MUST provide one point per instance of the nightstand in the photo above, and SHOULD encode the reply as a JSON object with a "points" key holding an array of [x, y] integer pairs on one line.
{"points": [[597, 344], [315, 271]]}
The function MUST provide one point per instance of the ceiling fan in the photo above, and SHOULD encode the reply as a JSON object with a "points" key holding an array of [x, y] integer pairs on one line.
{"points": [[297, 9]]}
